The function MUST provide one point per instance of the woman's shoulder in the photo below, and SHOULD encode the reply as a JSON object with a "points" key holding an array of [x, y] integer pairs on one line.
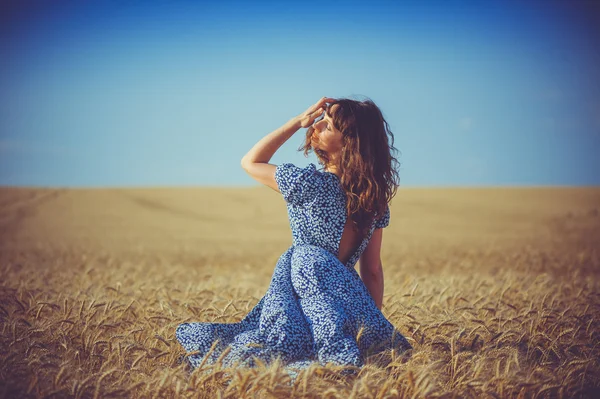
{"points": [[289, 174], [382, 221], [309, 172], [288, 167], [298, 184]]}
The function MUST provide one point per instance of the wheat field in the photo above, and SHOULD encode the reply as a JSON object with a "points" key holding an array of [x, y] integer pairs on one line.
{"points": [[497, 289]]}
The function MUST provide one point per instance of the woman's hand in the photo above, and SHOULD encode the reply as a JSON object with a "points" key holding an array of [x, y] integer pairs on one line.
{"points": [[314, 111]]}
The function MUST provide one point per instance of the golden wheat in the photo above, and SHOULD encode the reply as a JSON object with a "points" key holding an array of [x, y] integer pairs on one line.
{"points": [[502, 302]]}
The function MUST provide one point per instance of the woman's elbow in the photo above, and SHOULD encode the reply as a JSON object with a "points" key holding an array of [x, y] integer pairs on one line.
{"points": [[244, 162]]}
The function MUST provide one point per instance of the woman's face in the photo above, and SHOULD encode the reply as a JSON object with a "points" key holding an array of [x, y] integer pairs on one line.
{"points": [[325, 136]]}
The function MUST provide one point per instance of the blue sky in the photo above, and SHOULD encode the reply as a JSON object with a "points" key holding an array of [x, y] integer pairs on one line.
{"points": [[477, 93]]}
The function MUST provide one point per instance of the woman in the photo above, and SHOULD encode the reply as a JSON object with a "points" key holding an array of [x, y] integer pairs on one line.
{"points": [[317, 308]]}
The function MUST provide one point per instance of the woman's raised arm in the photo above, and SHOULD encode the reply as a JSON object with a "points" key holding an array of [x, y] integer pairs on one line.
{"points": [[256, 161]]}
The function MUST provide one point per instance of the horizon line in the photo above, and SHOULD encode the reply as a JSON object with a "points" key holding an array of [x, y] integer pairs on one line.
{"points": [[401, 187]]}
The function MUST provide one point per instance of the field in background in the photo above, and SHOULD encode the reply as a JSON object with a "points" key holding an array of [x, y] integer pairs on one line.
{"points": [[497, 290]]}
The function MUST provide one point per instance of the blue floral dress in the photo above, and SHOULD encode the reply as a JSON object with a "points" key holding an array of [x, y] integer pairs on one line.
{"points": [[316, 308]]}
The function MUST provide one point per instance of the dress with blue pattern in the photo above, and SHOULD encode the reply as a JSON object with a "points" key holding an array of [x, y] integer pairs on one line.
{"points": [[316, 308]]}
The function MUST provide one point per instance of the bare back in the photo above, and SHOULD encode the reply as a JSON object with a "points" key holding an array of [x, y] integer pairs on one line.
{"points": [[349, 243]]}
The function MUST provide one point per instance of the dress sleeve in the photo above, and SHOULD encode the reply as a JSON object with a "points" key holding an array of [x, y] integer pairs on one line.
{"points": [[297, 185], [383, 221]]}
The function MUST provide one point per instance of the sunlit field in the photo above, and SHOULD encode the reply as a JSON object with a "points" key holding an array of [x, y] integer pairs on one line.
{"points": [[496, 289]]}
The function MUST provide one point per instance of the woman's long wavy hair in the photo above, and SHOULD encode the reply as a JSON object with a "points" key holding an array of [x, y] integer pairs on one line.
{"points": [[367, 163]]}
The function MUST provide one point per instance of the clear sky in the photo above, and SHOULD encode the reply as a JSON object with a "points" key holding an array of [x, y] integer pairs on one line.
{"points": [[477, 93]]}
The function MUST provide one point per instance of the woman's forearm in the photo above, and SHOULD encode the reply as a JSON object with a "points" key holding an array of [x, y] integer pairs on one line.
{"points": [[266, 147], [374, 283]]}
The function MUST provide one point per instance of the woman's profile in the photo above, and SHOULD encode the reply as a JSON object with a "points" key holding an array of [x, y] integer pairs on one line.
{"points": [[317, 308]]}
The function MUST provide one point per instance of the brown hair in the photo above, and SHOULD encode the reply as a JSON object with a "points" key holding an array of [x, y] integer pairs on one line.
{"points": [[367, 163]]}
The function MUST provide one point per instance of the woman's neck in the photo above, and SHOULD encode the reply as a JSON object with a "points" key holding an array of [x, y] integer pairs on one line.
{"points": [[332, 166], [333, 170]]}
